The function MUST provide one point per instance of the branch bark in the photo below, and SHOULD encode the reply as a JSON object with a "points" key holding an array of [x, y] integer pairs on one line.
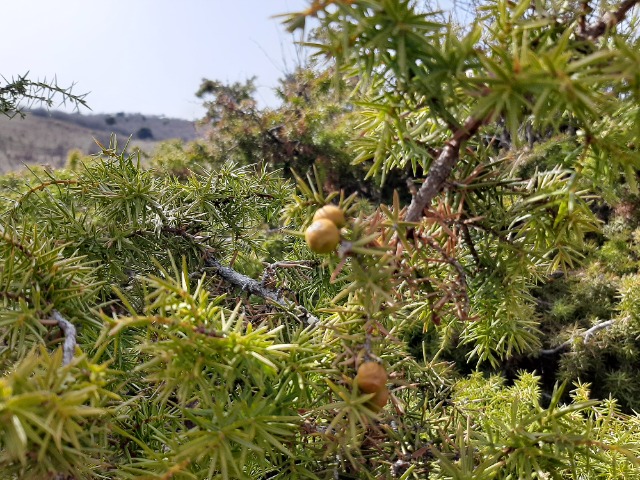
{"points": [[441, 169], [254, 287], [586, 336], [608, 20], [443, 165], [69, 330], [247, 284]]}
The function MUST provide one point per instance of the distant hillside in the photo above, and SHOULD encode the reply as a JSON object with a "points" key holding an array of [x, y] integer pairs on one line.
{"points": [[46, 137]]}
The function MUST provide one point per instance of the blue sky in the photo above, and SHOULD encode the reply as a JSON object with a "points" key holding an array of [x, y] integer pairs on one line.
{"points": [[147, 56]]}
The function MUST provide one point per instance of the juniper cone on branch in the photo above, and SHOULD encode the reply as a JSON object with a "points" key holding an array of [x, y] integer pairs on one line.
{"points": [[469, 308]]}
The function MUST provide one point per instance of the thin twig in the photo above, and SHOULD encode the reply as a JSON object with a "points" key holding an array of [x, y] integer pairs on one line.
{"points": [[466, 235], [600, 326], [247, 284], [254, 287], [44, 185], [269, 275], [462, 277], [290, 264], [69, 345], [587, 334]]}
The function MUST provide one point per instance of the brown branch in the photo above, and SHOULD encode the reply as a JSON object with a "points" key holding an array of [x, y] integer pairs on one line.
{"points": [[443, 165], [44, 185], [585, 9], [462, 277], [441, 168], [469, 241], [608, 20]]}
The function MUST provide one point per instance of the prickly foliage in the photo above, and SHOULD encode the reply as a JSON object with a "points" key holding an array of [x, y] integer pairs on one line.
{"points": [[212, 343]]}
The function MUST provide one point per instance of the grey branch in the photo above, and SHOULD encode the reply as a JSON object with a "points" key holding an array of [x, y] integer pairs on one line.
{"points": [[69, 346], [586, 336], [254, 287], [247, 284]]}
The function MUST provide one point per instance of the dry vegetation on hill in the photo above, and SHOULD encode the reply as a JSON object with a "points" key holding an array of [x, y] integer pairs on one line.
{"points": [[47, 137]]}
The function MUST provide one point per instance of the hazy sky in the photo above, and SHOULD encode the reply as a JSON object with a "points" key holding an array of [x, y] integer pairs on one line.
{"points": [[147, 56]]}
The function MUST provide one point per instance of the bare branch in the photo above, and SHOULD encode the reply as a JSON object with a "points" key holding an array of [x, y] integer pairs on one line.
{"points": [[586, 336], [247, 284], [441, 169], [600, 326], [69, 346], [254, 287], [608, 20]]}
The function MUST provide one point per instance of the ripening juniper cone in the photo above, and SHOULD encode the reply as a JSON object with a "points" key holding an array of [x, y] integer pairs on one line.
{"points": [[333, 213], [371, 377]]}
